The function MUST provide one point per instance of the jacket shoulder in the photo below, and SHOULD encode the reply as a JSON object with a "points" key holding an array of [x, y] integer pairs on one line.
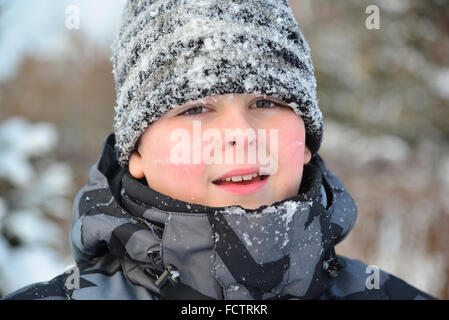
{"points": [[47, 290], [359, 281]]}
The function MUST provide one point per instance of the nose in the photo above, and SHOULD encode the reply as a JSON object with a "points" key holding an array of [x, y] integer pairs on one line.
{"points": [[238, 130]]}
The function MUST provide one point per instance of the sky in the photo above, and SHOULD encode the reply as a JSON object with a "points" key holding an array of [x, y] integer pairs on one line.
{"points": [[38, 27]]}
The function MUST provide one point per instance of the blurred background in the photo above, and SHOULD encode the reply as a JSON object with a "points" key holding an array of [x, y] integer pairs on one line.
{"points": [[384, 94]]}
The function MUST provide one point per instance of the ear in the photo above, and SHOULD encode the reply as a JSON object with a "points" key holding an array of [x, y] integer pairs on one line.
{"points": [[307, 155], [136, 165]]}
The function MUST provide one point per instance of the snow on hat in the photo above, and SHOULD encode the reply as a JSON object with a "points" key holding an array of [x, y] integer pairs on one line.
{"points": [[170, 52]]}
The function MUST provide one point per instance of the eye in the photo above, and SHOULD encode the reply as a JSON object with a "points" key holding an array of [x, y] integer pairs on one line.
{"points": [[193, 111], [266, 104]]}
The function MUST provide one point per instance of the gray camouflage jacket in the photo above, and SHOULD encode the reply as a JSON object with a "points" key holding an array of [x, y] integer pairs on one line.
{"points": [[131, 242]]}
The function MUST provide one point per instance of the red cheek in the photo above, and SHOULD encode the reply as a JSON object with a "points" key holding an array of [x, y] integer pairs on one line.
{"points": [[291, 140], [181, 173], [185, 173]]}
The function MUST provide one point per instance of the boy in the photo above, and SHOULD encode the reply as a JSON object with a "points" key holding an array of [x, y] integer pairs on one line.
{"points": [[171, 210]]}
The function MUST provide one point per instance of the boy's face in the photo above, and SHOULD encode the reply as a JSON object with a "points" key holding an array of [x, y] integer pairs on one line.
{"points": [[208, 127]]}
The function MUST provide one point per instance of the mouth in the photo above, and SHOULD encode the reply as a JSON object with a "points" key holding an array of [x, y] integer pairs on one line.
{"points": [[241, 180], [242, 184]]}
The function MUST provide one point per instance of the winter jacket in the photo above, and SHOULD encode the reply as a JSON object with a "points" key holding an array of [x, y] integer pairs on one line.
{"points": [[131, 242]]}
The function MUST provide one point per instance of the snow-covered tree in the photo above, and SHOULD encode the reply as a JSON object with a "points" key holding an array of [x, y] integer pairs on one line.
{"points": [[34, 204]]}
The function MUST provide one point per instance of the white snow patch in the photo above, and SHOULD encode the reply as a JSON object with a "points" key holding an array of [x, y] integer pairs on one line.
{"points": [[174, 274], [247, 240], [291, 208], [234, 210]]}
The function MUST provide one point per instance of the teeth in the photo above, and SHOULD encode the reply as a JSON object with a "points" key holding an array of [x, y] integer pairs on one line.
{"points": [[240, 178]]}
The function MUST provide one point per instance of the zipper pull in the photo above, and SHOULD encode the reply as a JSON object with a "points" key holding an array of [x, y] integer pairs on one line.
{"points": [[170, 273]]}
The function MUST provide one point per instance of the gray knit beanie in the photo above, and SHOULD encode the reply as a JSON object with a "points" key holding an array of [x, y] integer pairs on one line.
{"points": [[170, 52]]}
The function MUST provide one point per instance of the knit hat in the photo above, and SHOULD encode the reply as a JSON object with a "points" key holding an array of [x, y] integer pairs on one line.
{"points": [[171, 52]]}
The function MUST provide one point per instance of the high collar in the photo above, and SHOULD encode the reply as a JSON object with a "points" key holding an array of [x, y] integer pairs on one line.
{"points": [[282, 250]]}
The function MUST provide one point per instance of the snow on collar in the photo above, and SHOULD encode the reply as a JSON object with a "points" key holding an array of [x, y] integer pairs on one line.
{"points": [[282, 250]]}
